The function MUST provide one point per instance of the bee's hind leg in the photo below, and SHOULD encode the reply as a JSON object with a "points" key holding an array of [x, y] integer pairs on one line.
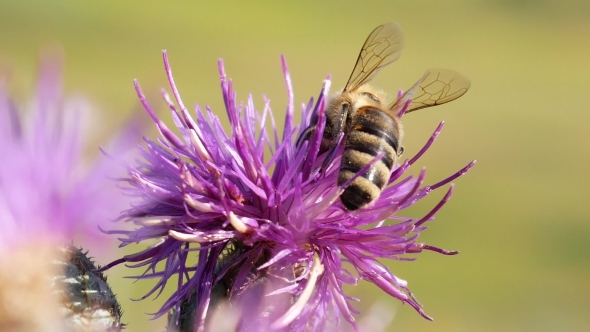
{"points": [[305, 135]]}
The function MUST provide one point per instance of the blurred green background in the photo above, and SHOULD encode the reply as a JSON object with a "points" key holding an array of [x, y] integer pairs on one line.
{"points": [[519, 218]]}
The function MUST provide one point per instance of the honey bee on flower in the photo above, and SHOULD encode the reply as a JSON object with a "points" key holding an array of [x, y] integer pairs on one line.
{"points": [[272, 235]]}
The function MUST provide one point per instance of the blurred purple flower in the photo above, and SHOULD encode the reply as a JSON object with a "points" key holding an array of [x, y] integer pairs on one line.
{"points": [[271, 233], [46, 191], [48, 195]]}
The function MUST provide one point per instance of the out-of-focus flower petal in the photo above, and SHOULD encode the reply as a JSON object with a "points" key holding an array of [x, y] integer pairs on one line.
{"points": [[46, 187], [48, 194], [28, 302]]}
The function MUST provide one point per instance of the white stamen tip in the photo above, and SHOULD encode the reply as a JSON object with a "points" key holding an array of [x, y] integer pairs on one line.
{"points": [[199, 206], [199, 147], [153, 221], [184, 237], [238, 224]]}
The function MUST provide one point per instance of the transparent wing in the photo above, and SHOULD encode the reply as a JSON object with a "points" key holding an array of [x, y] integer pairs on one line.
{"points": [[436, 87], [383, 46]]}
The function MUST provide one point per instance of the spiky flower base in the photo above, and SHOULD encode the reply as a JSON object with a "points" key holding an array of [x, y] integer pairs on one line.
{"points": [[88, 303]]}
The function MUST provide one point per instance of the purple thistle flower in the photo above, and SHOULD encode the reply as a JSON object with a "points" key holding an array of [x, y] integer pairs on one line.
{"points": [[46, 190], [270, 232], [48, 195]]}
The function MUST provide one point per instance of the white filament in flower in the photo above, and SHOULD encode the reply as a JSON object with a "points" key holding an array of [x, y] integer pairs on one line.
{"points": [[198, 145], [238, 224], [199, 206], [153, 221]]}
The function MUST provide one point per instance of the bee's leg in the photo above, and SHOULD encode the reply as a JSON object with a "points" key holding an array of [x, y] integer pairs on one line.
{"points": [[332, 152], [305, 135], [400, 151], [342, 120], [308, 133], [335, 135]]}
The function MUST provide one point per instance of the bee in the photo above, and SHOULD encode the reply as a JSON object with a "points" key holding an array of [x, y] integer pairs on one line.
{"points": [[371, 125]]}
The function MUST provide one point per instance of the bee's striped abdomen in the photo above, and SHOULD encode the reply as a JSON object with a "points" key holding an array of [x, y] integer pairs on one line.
{"points": [[372, 131]]}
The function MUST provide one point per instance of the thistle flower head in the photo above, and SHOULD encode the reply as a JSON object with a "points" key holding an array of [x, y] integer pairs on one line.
{"points": [[45, 189], [268, 229], [46, 196]]}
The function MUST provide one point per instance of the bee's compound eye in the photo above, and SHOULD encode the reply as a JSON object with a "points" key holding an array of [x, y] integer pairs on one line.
{"points": [[400, 151], [372, 97]]}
